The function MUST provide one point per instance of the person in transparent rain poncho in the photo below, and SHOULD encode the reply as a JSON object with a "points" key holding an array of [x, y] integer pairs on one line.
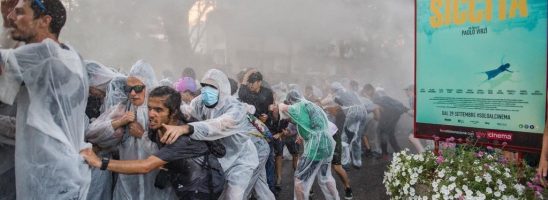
{"points": [[105, 137], [48, 81], [99, 78], [124, 126], [354, 125], [313, 128], [223, 118]]}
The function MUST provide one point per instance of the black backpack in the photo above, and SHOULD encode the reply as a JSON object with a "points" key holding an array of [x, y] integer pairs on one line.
{"points": [[206, 164]]}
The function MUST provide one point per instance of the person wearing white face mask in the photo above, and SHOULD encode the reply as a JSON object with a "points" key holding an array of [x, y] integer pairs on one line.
{"points": [[223, 118]]}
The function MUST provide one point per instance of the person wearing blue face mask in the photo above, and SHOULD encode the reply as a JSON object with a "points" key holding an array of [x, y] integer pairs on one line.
{"points": [[210, 95], [221, 117]]}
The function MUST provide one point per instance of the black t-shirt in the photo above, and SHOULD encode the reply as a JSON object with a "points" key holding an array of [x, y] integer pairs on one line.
{"points": [[391, 110], [261, 100], [184, 147]]}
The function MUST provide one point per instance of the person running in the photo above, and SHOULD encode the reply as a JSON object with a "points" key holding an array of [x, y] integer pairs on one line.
{"points": [[312, 126]]}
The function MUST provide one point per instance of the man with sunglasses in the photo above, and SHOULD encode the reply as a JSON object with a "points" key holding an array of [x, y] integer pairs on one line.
{"points": [[193, 169], [48, 81], [135, 143]]}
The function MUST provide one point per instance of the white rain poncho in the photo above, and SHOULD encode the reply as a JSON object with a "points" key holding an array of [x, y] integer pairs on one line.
{"points": [[50, 85], [228, 123], [101, 134], [258, 183], [313, 127], [140, 187], [354, 125], [99, 75]]}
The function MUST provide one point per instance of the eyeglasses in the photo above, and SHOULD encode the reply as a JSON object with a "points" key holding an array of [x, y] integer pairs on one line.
{"points": [[137, 88], [41, 5]]}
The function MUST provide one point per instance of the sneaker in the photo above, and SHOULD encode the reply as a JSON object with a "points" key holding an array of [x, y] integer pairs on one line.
{"points": [[348, 194], [278, 187]]}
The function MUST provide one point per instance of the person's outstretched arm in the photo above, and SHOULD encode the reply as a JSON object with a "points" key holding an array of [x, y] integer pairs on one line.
{"points": [[124, 166]]}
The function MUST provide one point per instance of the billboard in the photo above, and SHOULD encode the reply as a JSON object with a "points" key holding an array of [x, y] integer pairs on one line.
{"points": [[481, 70]]}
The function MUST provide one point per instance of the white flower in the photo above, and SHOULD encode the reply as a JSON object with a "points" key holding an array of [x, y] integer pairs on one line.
{"points": [[444, 190], [507, 175], [502, 188], [488, 190], [519, 188], [481, 195], [452, 179], [499, 182], [435, 185], [487, 177], [478, 179], [458, 192], [459, 173], [468, 192], [441, 174], [497, 194]]}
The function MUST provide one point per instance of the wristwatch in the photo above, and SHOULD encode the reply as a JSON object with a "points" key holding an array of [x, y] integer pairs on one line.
{"points": [[104, 163]]}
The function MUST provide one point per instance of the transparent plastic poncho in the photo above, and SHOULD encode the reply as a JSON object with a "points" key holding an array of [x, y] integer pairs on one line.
{"points": [[228, 123], [313, 127], [50, 86], [100, 132], [140, 187], [99, 75]]}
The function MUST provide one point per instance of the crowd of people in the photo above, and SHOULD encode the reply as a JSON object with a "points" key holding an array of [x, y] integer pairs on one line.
{"points": [[76, 129]]}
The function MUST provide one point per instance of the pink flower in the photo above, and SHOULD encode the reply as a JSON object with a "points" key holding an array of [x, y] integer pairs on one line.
{"points": [[479, 154], [439, 160], [504, 144], [436, 138], [460, 140], [503, 160], [490, 148], [537, 188]]}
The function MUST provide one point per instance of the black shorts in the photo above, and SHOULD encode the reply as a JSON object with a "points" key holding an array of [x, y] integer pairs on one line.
{"points": [[338, 149], [289, 142]]}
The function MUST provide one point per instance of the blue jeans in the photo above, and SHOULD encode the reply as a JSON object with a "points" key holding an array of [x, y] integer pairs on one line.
{"points": [[271, 169]]}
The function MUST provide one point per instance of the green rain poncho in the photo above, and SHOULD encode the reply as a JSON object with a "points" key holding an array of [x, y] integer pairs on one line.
{"points": [[313, 127]]}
